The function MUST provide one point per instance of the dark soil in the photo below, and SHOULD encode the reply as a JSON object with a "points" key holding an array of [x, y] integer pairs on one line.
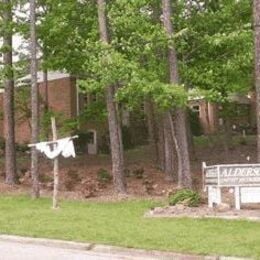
{"points": [[252, 214], [80, 178]]}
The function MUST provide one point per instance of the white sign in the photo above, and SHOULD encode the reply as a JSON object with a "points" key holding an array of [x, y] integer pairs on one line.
{"points": [[233, 175], [245, 178], [250, 195]]}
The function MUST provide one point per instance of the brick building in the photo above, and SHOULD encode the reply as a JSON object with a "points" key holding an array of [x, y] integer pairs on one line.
{"points": [[210, 117], [206, 113], [61, 95]]}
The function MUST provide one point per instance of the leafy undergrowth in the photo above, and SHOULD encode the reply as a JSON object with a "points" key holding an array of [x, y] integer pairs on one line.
{"points": [[185, 196], [123, 224]]}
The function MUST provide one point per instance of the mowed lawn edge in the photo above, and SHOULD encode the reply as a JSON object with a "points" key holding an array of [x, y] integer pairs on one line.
{"points": [[123, 224]]}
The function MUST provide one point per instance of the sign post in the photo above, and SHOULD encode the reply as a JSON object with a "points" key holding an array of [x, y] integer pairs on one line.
{"points": [[237, 197]]}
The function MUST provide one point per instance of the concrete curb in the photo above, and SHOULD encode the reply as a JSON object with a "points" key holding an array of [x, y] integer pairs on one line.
{"points": [[47, 242], [113, 250], [151, 254]]}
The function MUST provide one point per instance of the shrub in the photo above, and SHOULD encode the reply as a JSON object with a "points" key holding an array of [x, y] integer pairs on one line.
{"points": [[72, 178], [103, 176], [243, 141], [138, 173], [45, 178], [186, 196], [22, 148]]}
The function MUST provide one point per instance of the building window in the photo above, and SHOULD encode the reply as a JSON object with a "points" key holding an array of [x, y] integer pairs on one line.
{"points": [[84, 100], [92, 142], [195, 108], [91, 137]]}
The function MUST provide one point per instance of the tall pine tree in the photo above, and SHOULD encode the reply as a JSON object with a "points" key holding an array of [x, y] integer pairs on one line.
{"points": [[257, 70], [184, 175], [34, 100], [115, 132], [10, 155]]}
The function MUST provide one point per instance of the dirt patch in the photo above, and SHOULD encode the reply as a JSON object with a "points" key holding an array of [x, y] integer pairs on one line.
{"points": [[90, 177], [79, 177]]}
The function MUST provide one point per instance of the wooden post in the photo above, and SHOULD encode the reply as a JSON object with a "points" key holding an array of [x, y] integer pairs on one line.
{"points": [[55, 168], [203, 176], [237, 198], [210, 197]]}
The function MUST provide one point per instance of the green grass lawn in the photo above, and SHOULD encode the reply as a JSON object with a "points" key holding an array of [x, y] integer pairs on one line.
{"points": [[122, 224]]}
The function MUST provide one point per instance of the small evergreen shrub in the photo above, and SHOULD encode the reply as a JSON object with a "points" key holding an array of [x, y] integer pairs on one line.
{"points": [[103, 176], [45, 178], [185, 196], [22, 148], [243, 141], [71, 180], [138, 173]]}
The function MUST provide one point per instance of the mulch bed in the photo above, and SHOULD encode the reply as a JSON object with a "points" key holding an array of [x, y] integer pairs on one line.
{"points": [[204, 211]]}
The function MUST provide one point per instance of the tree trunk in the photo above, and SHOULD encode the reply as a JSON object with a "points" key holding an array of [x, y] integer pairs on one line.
{"points": [[178, 150], [163, 158], [34, 102], [180, 118], [10, 154], [152, 129], [161, 144], [115, 134], [119, 131], [168, 149], [257, 70], [181, 136]]}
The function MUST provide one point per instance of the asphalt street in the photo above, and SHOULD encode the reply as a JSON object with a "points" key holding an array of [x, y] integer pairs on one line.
{"points": [[21, 251], [22, 248]]}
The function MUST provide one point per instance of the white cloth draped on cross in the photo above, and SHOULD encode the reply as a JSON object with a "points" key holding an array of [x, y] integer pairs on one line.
{"points": [[64, 147]]}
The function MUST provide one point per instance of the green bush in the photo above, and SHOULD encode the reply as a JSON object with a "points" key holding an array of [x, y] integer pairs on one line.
{"points": [[22, 148], [103, 176], [138, 173], [45, 178], [72, 178], [189, 197]]}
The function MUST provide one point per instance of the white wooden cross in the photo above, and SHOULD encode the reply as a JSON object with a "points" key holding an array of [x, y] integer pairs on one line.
{"points": [[55, 163]]}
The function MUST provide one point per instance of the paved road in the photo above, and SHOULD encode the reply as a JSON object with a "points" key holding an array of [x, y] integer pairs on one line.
{"points": [[10, 250], [18, 248], [20, 251]]}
